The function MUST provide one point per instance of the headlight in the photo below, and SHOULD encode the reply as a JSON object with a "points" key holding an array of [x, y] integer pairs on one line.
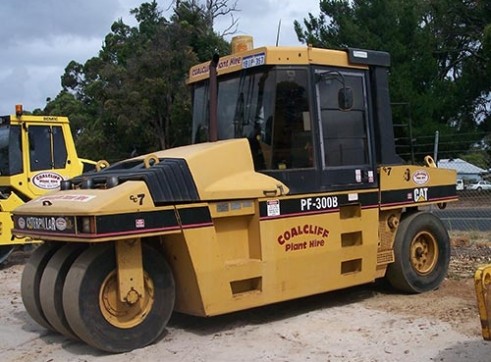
{"points": [[86, 225]]}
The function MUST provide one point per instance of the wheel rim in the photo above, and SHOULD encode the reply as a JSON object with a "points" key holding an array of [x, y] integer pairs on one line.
{"points": [[121, 314], [424, 253]]}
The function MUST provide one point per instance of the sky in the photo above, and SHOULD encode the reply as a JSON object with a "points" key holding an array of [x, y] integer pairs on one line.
{"points": [[39, 38]]}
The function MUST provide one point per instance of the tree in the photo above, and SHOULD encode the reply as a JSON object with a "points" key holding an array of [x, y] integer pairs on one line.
{"points": [[209, 11], [199, 19], [132, 97]]}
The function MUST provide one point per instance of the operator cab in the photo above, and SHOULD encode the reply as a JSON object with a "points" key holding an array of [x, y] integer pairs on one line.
{"points": [[47, 147], [309, 125], [36, 153]]}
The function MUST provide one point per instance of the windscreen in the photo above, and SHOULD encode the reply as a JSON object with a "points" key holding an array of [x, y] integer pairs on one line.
{"points": [[245, 102], [267, 105]]}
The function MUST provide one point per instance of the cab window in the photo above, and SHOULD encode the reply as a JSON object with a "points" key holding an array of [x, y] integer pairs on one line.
{"points": [[344, 132], [292, 132], [60, 154], [40, 148]]}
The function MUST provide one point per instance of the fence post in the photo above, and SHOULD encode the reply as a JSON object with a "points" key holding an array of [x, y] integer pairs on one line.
{"points": [[435, 149]]}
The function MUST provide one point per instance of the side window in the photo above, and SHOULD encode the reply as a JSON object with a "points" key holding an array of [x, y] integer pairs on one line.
{"points": [[200, 114], [15, 150], [60, 154], [10, 150], [292, 131], [4, 150], [40, 148], [344, 132]]}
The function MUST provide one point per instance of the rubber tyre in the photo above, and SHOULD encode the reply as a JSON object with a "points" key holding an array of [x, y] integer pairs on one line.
{"points": [[5, 251], [51, 287], [403, 274], [81, 296], [30, 281]]}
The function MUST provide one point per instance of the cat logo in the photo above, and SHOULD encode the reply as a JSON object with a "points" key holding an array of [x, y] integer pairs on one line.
{"points": [[421, 194]]}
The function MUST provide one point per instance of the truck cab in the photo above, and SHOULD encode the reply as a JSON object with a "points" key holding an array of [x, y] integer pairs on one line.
{"points": [[36, 154], [313, 125]]}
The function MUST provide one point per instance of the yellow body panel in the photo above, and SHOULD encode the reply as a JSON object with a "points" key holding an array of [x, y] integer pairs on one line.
{"points": [[247, 262], [409, 176], [6, 223], [234, 178], [482, 279], [417, 184], [93, 201]]}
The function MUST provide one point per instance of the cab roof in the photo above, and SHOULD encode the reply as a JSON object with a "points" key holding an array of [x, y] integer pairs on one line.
{"points": [[300, 55]]}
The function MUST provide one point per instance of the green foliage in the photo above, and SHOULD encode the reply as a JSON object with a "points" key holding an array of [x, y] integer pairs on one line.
{"points": [[479, 153], [203, 39], [440, 52], [132, 97], [478, 158]]}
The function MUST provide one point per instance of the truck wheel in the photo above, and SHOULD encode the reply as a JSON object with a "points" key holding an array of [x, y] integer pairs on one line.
{"points": [[5, 251], [422, 254], [51, 287], [31, 278], [99, 318]]}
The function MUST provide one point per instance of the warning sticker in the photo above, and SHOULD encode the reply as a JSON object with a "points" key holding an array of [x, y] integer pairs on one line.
{"points": [[273, 208]]}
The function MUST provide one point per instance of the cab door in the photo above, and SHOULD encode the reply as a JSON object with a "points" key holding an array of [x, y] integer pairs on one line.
{"points": [[346, 149], [347, 167]]}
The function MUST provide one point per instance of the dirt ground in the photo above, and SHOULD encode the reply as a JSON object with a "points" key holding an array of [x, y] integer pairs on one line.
{"points": [[369, 323]]}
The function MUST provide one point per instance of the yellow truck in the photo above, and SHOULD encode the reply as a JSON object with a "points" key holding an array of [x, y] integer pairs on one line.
{"points": [[292, 187], [36, 154]]}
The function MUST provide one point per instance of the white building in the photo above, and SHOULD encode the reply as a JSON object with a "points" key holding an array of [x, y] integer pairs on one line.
{"points": [[466, 171]]}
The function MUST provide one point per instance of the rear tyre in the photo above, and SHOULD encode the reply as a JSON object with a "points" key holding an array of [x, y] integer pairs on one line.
{"points": [[31, 279], [51, 287], [5, 251], [93, 309], [422, 254]]}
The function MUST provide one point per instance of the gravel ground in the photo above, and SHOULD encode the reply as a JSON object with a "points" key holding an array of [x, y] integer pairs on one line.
{"points": [[369, 323]]}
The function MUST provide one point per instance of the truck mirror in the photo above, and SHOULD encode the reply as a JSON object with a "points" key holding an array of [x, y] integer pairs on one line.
{"points": [[345, 94], [345, 99]]}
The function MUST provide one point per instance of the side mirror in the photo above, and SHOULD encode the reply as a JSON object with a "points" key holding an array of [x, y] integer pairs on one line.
{"points": [[345, 99]]}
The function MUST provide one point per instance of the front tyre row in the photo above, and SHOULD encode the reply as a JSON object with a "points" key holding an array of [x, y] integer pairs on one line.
{"points": [[72, 289]]}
